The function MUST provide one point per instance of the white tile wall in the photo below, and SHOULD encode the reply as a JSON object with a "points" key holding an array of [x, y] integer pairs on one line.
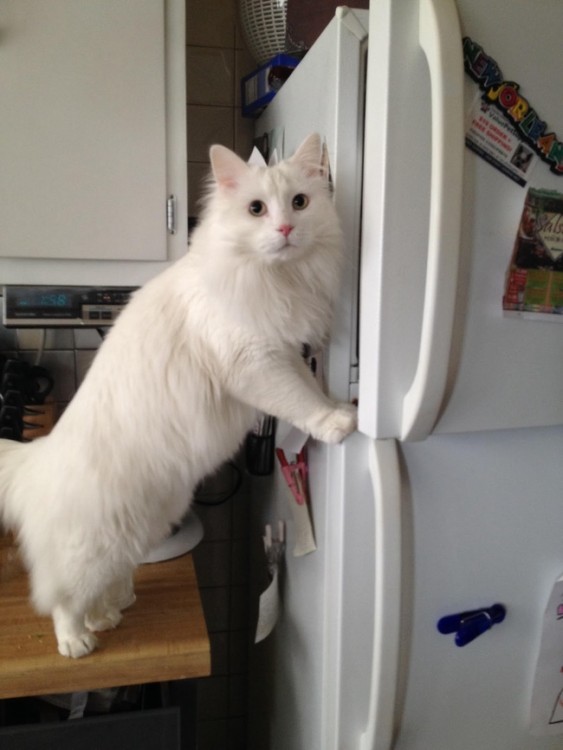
{"points": [[66, 353], [83, 358]]}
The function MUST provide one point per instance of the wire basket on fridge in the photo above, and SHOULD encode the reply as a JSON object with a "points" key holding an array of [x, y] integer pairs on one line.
{"points": [[264, 25]]}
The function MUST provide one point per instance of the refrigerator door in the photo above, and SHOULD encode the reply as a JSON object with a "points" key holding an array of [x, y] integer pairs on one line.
{"points": [[386, 493], [294, 672], [325, 94], [483, 517], [326, 678], [296, 688], [499, 372]]}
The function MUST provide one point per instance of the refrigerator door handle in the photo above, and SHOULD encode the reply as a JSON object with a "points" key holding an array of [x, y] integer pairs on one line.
{"points": [[440, 39], [386, 482]]}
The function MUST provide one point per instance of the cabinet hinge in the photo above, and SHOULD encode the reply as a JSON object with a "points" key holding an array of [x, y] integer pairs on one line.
{"points": [[354, 373], [171, 214]]}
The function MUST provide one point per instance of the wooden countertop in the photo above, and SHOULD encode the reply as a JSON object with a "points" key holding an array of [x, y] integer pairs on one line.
{"points": [[161, 637]]}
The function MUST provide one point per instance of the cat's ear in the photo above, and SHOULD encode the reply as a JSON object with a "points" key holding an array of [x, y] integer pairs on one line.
{"points": [[227, 167], [312, 156]]}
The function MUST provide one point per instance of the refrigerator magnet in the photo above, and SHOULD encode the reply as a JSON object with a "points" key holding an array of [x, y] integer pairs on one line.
{"points": [[526, 124]]}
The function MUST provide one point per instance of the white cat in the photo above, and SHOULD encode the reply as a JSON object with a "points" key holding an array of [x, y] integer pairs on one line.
{"points": [[175, 387]]}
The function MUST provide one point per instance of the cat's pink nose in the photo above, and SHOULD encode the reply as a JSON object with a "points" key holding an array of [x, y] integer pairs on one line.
{"points": [[285, 229]]}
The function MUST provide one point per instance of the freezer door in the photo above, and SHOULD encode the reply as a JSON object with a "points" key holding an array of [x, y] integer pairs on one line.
{"points": [[325, 94], [436, 352]]}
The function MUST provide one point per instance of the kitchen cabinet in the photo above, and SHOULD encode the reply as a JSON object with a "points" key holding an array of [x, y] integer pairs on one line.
{"points": [[93, 146]]}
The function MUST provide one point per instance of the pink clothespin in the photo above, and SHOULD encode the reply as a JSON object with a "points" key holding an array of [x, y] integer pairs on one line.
{"points": [[295, 474]]}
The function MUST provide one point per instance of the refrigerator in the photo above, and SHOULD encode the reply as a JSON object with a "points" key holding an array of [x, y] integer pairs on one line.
{"points": [[448, 499]]}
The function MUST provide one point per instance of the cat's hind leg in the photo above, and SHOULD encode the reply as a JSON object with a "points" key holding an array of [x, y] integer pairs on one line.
{"points": [[73, 638], [102, 616], [122, 591], [67, 606], [106, 612]]}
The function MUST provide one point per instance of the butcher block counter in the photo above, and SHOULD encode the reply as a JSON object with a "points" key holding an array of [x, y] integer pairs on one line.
{"points": [[162, 635]]}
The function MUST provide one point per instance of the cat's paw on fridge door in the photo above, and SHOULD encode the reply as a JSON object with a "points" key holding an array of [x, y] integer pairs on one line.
{"points": [[337, 424]]}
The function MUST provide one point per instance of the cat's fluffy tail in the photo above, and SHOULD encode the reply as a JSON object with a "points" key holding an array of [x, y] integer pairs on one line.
{"points": [[12, 454]]}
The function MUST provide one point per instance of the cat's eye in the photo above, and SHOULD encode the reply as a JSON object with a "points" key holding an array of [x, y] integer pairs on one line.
{"points": [[257, 208], [300, 202]]}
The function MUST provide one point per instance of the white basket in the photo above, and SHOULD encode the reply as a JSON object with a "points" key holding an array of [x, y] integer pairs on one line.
{"points": [[263, 25]]}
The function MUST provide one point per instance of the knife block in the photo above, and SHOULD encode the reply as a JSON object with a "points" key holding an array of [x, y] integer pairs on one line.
{"points": [[38, 419]]}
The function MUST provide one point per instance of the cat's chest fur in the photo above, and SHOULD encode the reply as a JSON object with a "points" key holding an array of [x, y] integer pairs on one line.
{"points": [[285, 305]]}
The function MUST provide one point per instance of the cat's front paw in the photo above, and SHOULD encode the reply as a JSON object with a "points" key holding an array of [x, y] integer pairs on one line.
{"points": [[78, 646], [338, 423]]}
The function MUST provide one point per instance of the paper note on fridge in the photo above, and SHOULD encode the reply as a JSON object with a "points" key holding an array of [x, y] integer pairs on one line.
{"points": [[289, 438], [269, 609], [547, 696]]}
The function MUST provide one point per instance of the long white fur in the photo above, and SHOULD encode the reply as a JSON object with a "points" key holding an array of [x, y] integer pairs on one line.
{"points": [[174, 388]]}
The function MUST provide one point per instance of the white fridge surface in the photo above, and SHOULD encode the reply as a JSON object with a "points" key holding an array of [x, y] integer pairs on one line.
{"points": [[503, 372], [485, 521], [326, 96], [480, 508]]}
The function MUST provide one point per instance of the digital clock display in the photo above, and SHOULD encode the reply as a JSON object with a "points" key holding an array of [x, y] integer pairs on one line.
{"points": [[50, 300], [38, 306]]}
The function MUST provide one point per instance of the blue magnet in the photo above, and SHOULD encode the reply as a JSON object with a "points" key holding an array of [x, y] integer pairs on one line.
{"points": [[470, 624]]}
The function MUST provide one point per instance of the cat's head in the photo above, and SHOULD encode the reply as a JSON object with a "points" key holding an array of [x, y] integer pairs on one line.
{"points": [[277, 213]]}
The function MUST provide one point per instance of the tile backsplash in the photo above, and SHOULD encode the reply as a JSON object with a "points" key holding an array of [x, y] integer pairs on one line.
{"points": [[216, 60], [67, 354]]}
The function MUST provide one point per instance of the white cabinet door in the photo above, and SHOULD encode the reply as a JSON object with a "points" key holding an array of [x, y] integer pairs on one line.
{"points": [[83, 143]]}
